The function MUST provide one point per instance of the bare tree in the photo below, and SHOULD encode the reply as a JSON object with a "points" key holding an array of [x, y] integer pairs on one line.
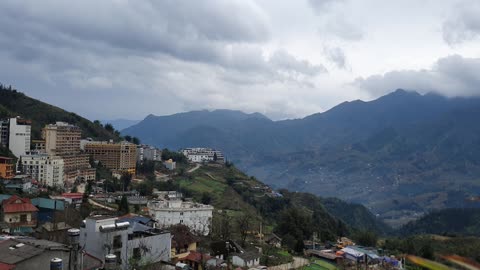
{"points": [[244, 222]]}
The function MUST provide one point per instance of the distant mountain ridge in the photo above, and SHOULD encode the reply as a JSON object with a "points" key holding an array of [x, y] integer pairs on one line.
{"points": [[120, 124], [401, 154]]}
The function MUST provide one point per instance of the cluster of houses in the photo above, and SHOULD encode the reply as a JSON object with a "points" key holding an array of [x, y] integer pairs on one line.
{"points": [[346, 253], [169, 236]]}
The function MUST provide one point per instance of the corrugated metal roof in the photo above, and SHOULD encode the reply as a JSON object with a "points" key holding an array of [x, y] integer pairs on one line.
{"points": [[10, 254], [16, 204]]}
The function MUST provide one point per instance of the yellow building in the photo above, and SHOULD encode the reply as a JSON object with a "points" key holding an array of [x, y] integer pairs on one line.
{"points": [[61, 138], [118, 157], [7, 170]]}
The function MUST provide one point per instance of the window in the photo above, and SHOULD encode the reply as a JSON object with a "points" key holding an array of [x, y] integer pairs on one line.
{"points": [[23, 218], [117, 241]]}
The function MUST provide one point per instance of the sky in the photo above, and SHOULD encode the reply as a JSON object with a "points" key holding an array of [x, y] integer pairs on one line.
{"points": [[115, 59]]}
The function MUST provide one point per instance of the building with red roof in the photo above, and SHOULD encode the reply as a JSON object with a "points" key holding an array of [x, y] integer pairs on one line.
{"points": [[19, 213]]}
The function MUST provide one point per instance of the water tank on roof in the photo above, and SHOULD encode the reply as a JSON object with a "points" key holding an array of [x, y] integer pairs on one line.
{"points": [[56, 264]]}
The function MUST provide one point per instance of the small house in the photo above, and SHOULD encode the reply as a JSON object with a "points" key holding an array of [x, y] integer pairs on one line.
{"points": [[246, 259]]}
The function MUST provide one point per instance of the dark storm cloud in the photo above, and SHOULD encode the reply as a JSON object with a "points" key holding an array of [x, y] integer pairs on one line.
{"points": [[451, 76], [187, 30], [169, 56], [463, 24]]}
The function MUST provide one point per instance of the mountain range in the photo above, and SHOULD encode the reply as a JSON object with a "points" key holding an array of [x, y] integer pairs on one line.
{"points": [[400, 155]]}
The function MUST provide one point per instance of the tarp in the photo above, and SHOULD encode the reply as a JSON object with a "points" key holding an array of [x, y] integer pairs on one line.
{"points": [[352, 254]]}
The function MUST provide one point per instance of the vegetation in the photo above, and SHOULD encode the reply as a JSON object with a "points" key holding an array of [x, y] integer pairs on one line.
{"points": [[175, 156], [433, 247], [448, 222], [14, 103]]}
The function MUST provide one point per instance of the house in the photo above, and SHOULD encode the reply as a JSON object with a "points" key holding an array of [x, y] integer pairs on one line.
{"points": [[199, 155], [27, 254], [223, 249], [20, 183], [170, 164], [246, 259], [74, 198], [274, 240], [198, 217], [56, 232], [183, 241], [19, 214], [102, 235], [196, 260]]}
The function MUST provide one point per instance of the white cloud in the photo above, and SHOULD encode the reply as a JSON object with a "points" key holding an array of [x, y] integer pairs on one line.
{"points": [[450, 76]]}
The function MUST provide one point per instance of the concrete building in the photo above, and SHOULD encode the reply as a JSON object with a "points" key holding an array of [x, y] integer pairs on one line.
{"points": [[15, 133], [77, 167], [61, 138], [39, 146], [7, 168], [47, 170], [147, 152], [170, 164], [29, 253], [246, 259], [102, 235], [198, 217], [4, 128], [199, 155], [118, 157]]}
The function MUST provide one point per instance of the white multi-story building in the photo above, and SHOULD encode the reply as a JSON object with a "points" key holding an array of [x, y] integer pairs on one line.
{"points": [[128, 240], [16, 134], [203, 154], [198, 217], [147, 152], [48, 170]]}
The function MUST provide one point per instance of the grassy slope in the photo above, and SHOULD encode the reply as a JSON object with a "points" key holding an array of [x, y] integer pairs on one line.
{"points": [[13, 103], [251, 200]]}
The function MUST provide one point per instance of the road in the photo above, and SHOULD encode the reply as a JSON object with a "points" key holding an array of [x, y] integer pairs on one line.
{"points": [[297, 263], [101, 205], [194, 168]]}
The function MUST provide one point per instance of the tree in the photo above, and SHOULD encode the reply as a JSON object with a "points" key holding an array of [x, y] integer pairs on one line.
{"points": [[135, 140], [244, 223], [128, 138], [74, 189], [215, 157], [109, 127], [206, 198], [123, 207], [366, 238], [125, 180]]}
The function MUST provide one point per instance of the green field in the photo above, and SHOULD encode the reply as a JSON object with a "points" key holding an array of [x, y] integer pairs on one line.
{"points": [[320, 265]]}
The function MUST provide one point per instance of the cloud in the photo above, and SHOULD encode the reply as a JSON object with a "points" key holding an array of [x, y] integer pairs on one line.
{"points": [[289, 64], [158, 57], [341, 28], [335, 22], [320, 6], [336, 55], [463, 24], [450, 76]]}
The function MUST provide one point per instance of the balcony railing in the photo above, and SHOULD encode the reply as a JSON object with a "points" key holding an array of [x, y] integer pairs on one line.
{"points": [[31, 223]]}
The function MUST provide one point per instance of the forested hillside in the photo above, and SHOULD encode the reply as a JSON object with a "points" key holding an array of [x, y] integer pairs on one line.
{"points": [[14, 103], [450, 222]]}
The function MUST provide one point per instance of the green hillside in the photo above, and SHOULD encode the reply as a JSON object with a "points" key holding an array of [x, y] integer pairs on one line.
{"points": [[452, 221], [14, 103], [294, 216]]}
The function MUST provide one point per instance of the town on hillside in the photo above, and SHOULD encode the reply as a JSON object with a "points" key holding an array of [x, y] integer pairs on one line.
{"points": [[69, 202]]}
